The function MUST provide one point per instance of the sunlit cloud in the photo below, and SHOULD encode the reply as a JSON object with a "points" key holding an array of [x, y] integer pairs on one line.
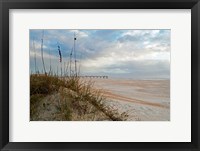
{"points": [[117, 53]]}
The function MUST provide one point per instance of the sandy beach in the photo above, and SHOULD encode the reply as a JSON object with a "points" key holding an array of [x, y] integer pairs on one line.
{"points": [[142, 100]]}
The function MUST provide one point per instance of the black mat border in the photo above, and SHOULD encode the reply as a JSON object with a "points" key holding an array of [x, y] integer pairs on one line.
{"points": [[5, 5]]}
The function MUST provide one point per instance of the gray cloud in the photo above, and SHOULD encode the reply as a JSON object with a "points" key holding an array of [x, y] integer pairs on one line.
{"points": [[125, 53]]}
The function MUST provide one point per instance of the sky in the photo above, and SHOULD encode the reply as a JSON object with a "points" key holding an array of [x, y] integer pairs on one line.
{"points": [[135, 54]]}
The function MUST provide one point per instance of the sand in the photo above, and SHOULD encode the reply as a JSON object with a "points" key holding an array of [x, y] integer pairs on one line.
{"points": [[142, 100]]}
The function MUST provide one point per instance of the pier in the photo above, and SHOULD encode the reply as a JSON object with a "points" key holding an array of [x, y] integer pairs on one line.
{"points": [[103, 77]]}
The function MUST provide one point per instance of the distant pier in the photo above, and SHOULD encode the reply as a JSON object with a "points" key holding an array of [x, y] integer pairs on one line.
{"points": [[103, 77]]}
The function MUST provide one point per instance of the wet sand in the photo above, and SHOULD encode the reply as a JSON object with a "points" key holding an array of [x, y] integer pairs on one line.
{"points": [[143, 100]]}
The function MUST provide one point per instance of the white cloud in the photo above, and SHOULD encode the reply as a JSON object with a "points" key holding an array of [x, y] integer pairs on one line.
{"points": [[140, 52], [79, 33]]}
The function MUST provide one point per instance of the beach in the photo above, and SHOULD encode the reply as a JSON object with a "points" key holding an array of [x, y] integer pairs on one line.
{"points": [[141, 100]]}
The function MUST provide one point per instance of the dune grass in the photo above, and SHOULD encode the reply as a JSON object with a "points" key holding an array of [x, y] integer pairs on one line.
{"points": [[78, 100]]}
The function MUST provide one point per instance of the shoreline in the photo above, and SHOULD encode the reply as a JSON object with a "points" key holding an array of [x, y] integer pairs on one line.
{"points": [[143, 100]]}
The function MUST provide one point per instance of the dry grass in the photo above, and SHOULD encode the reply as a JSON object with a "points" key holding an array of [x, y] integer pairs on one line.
{"points": [[44, 84], [77, 100]]}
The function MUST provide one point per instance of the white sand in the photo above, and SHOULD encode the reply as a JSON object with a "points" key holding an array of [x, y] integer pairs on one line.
{"points": [[143, 100]]}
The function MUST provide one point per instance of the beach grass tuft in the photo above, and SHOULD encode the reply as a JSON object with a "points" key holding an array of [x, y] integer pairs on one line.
{"points": [[74, 98]]}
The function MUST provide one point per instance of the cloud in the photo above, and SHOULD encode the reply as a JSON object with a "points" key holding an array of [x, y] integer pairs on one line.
{"points": [[142, 53]]}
